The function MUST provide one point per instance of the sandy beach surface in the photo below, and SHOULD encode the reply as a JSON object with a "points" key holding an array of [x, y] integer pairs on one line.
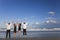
{"points": [[34, 38]]}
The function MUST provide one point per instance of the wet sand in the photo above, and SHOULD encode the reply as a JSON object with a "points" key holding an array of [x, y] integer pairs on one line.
{"points": [[45, 38]]}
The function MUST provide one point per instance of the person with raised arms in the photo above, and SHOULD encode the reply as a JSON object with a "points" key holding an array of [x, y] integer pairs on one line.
{"points": [[8, 28], [24, 28]]}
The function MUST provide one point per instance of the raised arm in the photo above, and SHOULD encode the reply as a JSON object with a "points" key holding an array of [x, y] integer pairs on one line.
{"points": [[5, 22]]}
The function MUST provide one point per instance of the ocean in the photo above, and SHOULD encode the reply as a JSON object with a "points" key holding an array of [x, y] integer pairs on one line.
{"points": [[33, 34]]}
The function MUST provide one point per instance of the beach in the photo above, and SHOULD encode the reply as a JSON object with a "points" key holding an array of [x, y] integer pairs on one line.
{"points": [[33, 35], [39, 38]]}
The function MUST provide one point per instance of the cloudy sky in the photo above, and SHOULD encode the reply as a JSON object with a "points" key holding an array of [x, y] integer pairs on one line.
{"points": [[37, 12]]}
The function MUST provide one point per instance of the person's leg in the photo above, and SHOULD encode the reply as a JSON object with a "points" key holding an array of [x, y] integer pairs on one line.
{"points": [[9, 34], [6, 33], [23, 31], [14, 34], [19, 32]]}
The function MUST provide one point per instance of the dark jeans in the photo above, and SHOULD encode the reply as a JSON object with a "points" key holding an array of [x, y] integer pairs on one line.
{"points": [[7, 32], [24, 32]]}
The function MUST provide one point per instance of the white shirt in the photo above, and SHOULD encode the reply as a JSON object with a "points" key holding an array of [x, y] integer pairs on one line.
{"points": [[8, 26], [24, 25]]}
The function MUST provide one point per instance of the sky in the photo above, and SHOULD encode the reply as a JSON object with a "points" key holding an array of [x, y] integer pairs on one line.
{"points": [[38, 12]]}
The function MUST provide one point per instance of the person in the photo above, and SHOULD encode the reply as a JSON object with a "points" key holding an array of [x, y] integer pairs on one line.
{"points": [[19, 28], [14, 29], [24, 28], [8, 29]]}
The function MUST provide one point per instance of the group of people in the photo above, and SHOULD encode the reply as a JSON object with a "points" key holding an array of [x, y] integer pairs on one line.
{"points": [[15, 25]]}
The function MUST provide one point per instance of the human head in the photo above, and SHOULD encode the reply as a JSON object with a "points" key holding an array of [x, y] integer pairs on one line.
{"points": [[8, 23], [24, 22]]}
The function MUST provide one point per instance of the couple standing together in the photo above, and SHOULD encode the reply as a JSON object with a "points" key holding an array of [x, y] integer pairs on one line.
{"points": [[8, 26]]}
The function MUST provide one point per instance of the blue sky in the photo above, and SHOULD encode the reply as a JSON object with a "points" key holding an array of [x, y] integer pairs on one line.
{"points": [[31, 10]]}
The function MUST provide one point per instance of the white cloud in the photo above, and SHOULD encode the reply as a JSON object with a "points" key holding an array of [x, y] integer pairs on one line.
{"points": [[51, 20], [47, 21], [37, 23], [52, 13]]}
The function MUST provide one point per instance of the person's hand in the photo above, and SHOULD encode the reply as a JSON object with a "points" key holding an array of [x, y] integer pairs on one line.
{"points": [[12, 21], [4, 21]]}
